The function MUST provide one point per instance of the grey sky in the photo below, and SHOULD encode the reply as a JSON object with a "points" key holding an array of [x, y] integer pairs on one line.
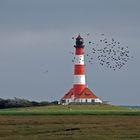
{"points": [[35, 35]]}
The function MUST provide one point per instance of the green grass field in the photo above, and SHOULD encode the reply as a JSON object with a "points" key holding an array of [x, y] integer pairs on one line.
{"points": [[75, 122], [72, 110]]}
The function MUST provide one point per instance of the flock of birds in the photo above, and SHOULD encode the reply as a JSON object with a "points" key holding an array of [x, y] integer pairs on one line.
{"points": [[109, 52]]}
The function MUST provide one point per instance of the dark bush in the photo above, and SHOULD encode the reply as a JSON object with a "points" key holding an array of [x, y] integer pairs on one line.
{"points": [[17, 102]]}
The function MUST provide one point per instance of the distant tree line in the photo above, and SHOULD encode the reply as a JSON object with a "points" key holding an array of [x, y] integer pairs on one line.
{"points": [[17, 102]]}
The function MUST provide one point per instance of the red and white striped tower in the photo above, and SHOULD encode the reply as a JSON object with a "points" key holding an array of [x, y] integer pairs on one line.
{"points": [[79, 67], [79, 93]]}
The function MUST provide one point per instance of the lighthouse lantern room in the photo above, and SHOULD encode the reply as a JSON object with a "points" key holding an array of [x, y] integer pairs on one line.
{"points": [[79, 93]]}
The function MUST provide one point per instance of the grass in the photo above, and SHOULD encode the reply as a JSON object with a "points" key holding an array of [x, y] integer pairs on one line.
{"points": [[74, 122], [72, 110], [70, 127]]}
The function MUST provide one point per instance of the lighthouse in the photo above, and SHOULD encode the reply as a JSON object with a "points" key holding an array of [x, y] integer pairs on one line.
{"points": [[79, 93]]}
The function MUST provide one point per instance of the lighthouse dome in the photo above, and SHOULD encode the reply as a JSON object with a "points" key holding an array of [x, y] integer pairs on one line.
{"points": [[79, 41]]}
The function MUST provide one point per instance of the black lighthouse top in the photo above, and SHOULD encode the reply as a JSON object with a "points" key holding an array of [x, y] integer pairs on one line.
{"points": [[79, 42]]}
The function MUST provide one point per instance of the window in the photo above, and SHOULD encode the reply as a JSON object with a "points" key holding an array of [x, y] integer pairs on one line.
{"points": [[63, 101], [93, 101]]}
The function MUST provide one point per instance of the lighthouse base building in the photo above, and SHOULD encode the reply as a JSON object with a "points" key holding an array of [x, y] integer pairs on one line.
{"points": [[85, 97], [80, 93]]}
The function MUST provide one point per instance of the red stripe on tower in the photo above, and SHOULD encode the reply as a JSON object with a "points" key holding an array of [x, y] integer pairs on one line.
{"points": [[79, 51], [79, 68]]}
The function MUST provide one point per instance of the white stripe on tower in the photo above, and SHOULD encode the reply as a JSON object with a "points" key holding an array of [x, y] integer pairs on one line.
{"points": [[79, 79], [79, 60]]}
